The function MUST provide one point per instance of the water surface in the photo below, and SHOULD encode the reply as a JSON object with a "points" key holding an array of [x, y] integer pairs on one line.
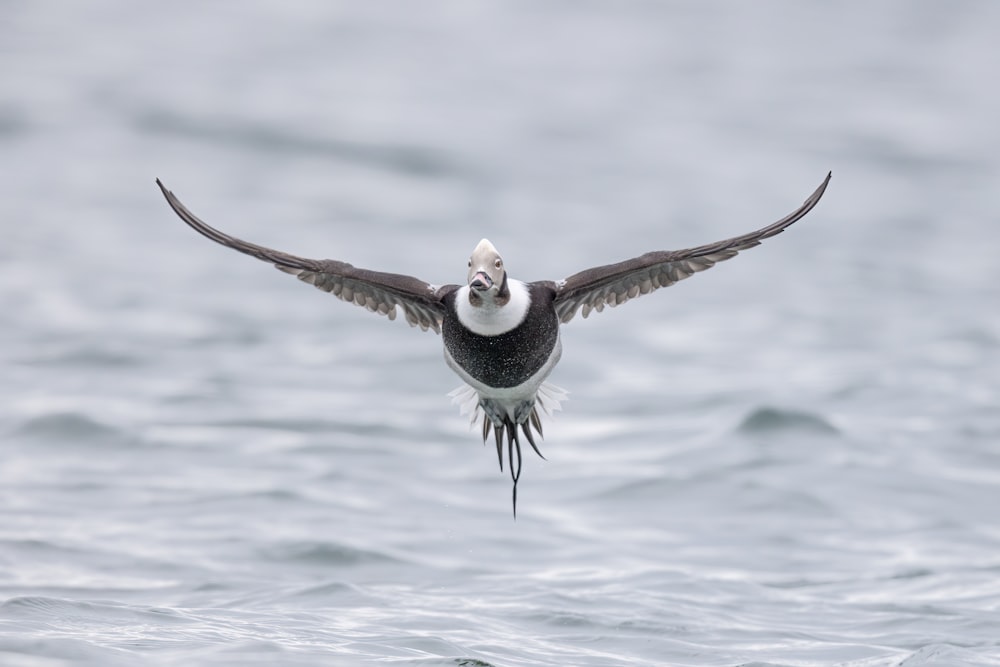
{"points": [[791, 459]]}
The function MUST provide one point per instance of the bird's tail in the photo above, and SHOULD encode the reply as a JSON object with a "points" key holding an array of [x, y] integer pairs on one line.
{"points": [[509, 422]]}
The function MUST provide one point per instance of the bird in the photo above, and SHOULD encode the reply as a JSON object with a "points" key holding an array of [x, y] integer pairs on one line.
{"points": [[501, 335]]}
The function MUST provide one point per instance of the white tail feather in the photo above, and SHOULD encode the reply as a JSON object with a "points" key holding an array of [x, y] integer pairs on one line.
{"points": [[549, 397]]}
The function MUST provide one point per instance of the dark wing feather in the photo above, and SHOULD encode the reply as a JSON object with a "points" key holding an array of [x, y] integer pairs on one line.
{"points": [[613, 284], [378, 292]]}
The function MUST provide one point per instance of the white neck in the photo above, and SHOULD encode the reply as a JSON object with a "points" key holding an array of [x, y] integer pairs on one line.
{"points": [[489, 319]]}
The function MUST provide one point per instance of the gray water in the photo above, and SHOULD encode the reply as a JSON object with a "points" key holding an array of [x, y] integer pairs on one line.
{"points": [[791, 459]]}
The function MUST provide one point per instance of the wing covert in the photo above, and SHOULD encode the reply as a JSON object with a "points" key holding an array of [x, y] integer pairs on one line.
{"points": [[614, 284], [379, 292]]}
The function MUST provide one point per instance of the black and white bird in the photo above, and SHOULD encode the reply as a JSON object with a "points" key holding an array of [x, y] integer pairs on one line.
{"points": [[501, 335]]}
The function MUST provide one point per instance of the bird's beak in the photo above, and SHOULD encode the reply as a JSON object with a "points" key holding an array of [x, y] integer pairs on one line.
{"points": [[481, 281]]}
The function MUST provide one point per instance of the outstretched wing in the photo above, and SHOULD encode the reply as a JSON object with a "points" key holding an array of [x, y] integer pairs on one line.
{"points": [[614, 284], [378, 292]]}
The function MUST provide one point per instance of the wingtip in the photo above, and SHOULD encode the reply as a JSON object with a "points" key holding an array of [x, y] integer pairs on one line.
{"points": [[817, 194]]}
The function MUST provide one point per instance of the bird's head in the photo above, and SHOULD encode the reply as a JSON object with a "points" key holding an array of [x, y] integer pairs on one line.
{"points": [[487, 275]]}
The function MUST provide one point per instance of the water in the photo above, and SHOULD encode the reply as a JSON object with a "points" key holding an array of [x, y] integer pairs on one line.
{"points": [[791, 459]]}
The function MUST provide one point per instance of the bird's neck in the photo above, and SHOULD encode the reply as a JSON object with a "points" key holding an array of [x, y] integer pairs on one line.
{"points": [[493, 314]]}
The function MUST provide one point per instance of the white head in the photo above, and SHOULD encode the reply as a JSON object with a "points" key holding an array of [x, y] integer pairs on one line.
{"points": [[487, 276], [491, 303]]}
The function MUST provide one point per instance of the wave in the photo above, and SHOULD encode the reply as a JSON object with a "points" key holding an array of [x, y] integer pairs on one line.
{"points": [[58, 427], [774, 420]]}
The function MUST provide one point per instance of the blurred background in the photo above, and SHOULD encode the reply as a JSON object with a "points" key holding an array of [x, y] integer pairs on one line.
{"points": [[791, 459]]}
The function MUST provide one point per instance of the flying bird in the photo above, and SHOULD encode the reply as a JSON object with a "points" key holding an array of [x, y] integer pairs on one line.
{"points": [[501, 335]]}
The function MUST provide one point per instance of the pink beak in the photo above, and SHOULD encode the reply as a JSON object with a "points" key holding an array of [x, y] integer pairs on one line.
{"points": [[481, 281]]}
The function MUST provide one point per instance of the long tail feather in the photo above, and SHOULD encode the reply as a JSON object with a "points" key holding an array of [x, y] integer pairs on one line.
{"points": [[536, 421], [508, 422], [513, 445], [498, 436], [531, 439]]}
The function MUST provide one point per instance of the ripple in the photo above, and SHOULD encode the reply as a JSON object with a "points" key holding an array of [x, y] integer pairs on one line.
{"points": [[60, 652], [324, 553], [304, 425], [771, 420], [65, 610], [75, 426], [86, 356], [229, 131], [323, 591], [942, 655]]}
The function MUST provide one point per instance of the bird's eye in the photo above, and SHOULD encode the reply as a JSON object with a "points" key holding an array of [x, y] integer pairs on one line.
{"points": [[470, 263], [498, 263]]}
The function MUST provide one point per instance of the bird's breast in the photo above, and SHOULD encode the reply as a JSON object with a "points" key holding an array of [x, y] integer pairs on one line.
{"points": [[510, 357]]}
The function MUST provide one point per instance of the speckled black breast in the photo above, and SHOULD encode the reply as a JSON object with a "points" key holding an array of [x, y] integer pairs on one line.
{"points": [[510, 358]]}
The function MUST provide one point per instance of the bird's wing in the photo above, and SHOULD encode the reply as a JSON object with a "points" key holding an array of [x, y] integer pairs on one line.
{"points": [[379, 292], [613, 284]]}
